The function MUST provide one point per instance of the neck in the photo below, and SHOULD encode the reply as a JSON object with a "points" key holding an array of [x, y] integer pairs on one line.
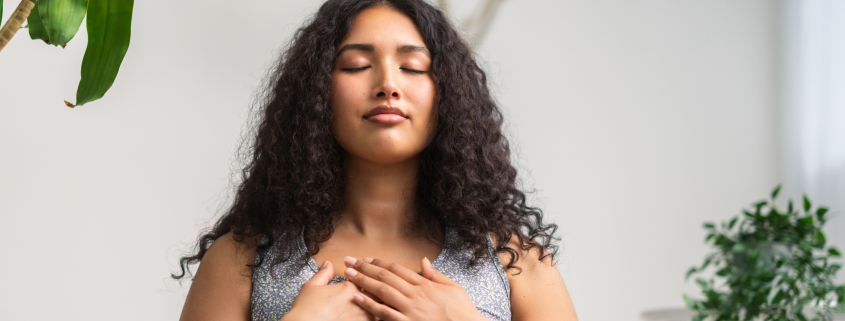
{"points": [[379, 198]]}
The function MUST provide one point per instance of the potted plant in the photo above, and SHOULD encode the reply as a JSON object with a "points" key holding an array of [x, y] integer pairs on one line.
{"points": [[769, 264]]}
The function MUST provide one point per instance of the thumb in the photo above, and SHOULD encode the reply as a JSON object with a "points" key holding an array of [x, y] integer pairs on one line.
{"points": [[323, 276], [433, 274]]}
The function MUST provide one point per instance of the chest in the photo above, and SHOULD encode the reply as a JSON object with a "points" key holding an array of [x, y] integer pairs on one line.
{"points": [[486, 284], [407, 252]]}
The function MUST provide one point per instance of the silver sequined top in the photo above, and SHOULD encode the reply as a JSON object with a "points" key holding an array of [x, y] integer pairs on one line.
{"points": [[487, 284]]}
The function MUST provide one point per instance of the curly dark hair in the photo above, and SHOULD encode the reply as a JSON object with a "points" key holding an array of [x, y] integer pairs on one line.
{"points": [[294, 183]]}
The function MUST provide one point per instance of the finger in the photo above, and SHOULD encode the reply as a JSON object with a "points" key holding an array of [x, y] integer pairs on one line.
{"points": [[323, 276], [385, 292], [380, 274], [429, 272], [381, 311], [405, 273]]}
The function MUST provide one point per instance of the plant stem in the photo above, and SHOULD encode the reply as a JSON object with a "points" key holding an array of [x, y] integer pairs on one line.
{"points": [[15, 21]]}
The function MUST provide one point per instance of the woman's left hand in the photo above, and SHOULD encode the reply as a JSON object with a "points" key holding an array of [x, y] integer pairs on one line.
{"points": [[407, 295]]}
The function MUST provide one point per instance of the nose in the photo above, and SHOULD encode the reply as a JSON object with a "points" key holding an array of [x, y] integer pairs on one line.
{"points": [[386, 87]]}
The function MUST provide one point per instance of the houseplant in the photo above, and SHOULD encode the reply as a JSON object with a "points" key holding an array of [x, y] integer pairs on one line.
{"points": [[769, 264]]}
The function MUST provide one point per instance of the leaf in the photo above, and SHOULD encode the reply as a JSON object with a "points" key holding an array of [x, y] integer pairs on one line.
{"points": [[776, 191], [732, 223], [690, 272], [109, 28], [689, 302], [61, 18], [775, 289], [709, 225], [806, 204], [806, 222], [739, 247], [36, 28], [833, 252], [723, 271], [821, 212], [820, 240]]}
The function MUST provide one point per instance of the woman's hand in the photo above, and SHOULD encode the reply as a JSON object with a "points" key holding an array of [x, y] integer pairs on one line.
{"points": [[319, 301], [407, 295]]}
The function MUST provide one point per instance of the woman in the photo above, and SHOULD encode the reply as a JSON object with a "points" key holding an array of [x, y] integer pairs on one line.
{"points": [[379, 147]]}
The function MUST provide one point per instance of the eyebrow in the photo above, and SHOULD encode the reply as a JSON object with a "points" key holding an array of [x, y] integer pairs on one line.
{"points": [[370, 48]]}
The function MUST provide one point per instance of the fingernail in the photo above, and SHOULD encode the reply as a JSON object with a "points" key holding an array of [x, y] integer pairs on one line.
{"points": [[351, 272], [427, 262], [358, 298], [349, 260], [368, 259], [326, 263]]}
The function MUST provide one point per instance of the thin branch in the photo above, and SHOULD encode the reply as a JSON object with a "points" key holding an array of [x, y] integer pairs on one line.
{"points": [[15, 21]]}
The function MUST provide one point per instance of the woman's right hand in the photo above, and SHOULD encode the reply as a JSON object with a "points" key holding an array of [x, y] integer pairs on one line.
{"points": [[317, 300]]}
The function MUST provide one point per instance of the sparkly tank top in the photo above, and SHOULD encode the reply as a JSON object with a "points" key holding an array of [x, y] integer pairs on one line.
{"points": [[487, 284]]}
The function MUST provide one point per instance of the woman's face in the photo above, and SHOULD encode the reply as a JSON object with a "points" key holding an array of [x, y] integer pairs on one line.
{"points": [[382, 89]]}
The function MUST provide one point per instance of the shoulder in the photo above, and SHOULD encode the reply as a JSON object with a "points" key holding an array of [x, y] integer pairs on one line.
{"points": [[538, 292], [222, 286]]}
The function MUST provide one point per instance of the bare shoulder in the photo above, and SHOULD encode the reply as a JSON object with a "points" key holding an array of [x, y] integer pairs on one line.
{"points": [[222, 286], [538, 292]]}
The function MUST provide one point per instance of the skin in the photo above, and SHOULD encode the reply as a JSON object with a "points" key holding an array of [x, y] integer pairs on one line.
{"points": [[381, 163]]}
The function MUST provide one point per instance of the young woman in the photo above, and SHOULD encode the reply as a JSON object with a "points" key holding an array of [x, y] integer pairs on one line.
{"points": [[380, 154]]}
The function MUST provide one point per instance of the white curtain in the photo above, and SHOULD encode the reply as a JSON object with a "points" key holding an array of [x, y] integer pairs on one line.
{"points": [[813, 105]]}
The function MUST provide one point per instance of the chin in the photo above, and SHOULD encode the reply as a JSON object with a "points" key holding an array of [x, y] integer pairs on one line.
{"points": [[387, 157]]}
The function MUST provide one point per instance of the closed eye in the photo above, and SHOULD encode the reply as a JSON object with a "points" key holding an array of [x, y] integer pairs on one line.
{"points": [[353, 70], [418, 72]]}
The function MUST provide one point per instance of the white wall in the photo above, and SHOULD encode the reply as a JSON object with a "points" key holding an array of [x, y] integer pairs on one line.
{"points": [[634, 120]]}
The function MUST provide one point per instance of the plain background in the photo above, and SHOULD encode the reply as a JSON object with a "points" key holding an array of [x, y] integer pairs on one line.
{"points": [[635, 121]]}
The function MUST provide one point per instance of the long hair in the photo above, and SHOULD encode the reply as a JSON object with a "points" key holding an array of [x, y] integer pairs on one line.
{"points": [[293, 185]]}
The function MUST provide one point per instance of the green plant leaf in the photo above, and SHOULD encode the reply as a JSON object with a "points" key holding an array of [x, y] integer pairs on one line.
{"points": [[776, 191], [709, 225], [109, 28], [806, 222], [723, 271], [806, 204], [36, 28], [821, 212], [689, 302], [61, 18], [833, 252], [701, 283], [690, 272], [732, 223], [739, 247], [819, 240], [774, 289]]}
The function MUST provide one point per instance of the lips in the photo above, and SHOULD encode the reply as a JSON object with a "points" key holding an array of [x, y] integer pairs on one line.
{"points": [[384, 109], [386, 115]]}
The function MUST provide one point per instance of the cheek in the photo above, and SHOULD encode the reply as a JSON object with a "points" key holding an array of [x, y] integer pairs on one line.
{"points": [[342, 93], [425, 96]]}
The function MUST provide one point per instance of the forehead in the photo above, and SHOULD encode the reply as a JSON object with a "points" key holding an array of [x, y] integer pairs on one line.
{"points": [[383, 27]]}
